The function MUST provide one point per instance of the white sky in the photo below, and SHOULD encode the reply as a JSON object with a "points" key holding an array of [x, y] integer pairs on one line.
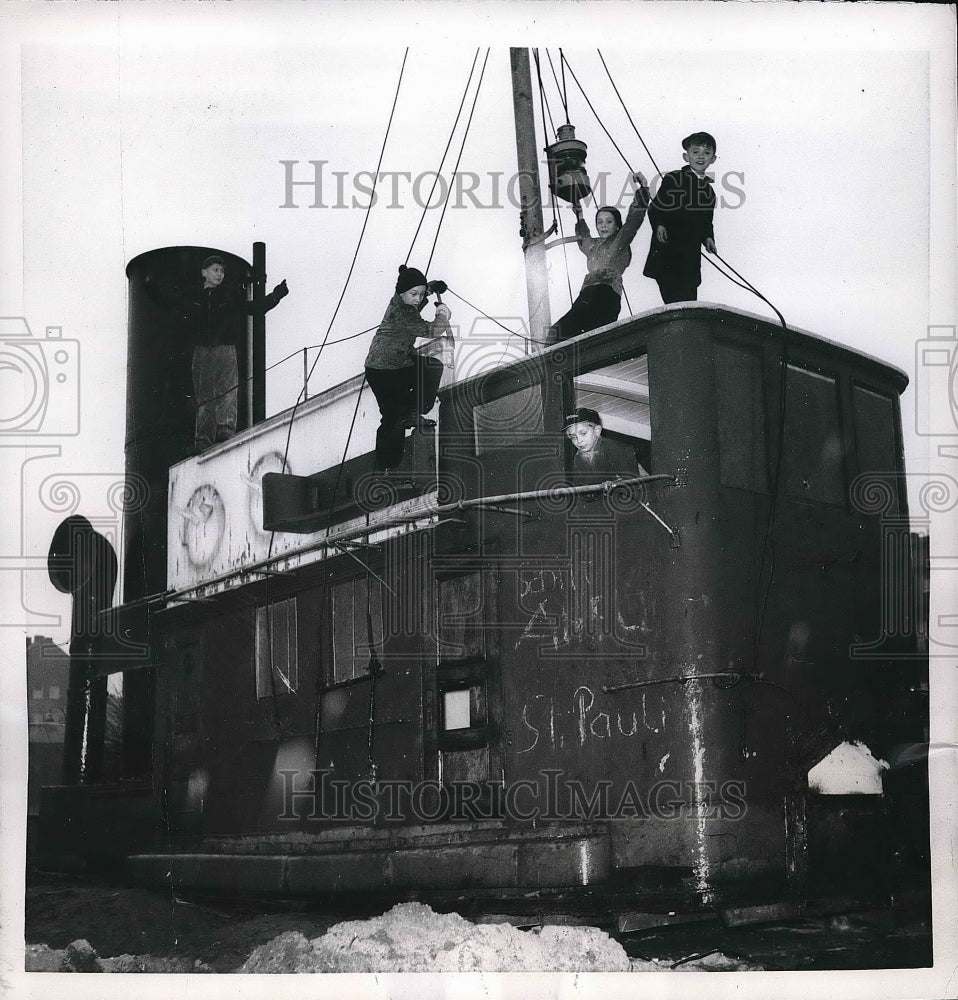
{"points": [[129, 127]]}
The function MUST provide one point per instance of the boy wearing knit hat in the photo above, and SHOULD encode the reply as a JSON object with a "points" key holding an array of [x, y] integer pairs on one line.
{"points": [[681, 219], [404, 383]]}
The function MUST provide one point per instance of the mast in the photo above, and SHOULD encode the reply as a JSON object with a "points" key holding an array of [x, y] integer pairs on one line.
{"points": [[530, 210]]}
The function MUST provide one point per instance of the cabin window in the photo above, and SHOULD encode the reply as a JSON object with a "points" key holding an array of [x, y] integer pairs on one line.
{"points": [[461, 635], [508, 420], [740, 403], [464, 708], [357, 627], [875, 434], [277, 668], [54, 691], [37, 694], [813, 462], [619, 393]]}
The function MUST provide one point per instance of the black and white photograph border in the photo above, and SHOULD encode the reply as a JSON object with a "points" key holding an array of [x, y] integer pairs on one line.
{"points": [[663, 533]]}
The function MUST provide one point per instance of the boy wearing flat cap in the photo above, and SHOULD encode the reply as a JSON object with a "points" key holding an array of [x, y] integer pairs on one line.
{"points": [[597, 459], [680, 216], [213, 315]]}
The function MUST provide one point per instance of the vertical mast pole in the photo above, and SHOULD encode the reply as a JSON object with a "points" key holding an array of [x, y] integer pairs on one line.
{"points": [[256, 392], [530, 211]]}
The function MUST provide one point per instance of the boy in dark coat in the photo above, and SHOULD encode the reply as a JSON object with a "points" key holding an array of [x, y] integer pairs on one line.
{"points": [[214, 315], [681, 219]]}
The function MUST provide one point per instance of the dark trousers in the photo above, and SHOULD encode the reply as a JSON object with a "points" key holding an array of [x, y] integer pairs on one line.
{"points": [[678, 288], [401, 392], [595, 306]]}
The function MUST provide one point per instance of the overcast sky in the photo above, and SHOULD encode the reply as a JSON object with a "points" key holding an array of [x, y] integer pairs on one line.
{"points": [[129, 127]]}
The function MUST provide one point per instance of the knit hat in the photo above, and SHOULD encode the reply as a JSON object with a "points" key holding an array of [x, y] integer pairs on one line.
{"points": [[214, 258], [583, 415], [409, 277], [700, 139]]}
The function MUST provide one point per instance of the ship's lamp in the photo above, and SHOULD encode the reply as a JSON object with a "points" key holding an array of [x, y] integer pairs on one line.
{"points": [[568, 179]]}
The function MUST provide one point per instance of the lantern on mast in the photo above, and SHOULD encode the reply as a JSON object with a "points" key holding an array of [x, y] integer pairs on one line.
{"points": [[568, 179]]}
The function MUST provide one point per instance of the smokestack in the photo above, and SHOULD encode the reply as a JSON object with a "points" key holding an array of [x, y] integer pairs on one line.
{"points": [[160, 415]]}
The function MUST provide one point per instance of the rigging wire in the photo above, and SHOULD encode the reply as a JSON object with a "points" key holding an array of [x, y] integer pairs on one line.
{"points": [[745, 283], [452, 133], [627, 115], [277, 719], [768, 544], [514, 333], [565, 93], [462, 147], [559, 87], [544, 106], [598, 119], [352, 266], [542, 98]]}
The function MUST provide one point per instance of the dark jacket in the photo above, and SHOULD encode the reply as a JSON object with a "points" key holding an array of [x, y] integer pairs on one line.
{"points": [[684, 204], [393, 345], [211, 316], [610, 460]]}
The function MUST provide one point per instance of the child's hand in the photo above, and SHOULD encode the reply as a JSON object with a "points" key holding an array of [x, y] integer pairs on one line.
{"points": [[640, 180], [577, 208], [661, 235], [710, 245], [281, 291], [442, 312]]}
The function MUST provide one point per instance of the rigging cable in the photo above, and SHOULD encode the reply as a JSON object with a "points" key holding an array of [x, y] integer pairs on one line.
{"points": [[745, 283], [627, 115], [599, 120], [372, 198], [565, 94], [560, 88], [277, 719], [768, 543], [462, 147], [452, 133], [544, 106]]}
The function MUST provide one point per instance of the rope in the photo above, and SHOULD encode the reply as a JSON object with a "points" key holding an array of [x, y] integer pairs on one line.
{"points": [[465, 136], [514, 333], [565, 94], [352, 266], [627, 115], [745, 283], [452, 132], [599, 120], [559, 87], [543, 104], [544, 107]]}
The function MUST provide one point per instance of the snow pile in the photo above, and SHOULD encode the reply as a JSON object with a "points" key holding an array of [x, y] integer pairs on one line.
{"points": [[80, 956], [411, 937]]}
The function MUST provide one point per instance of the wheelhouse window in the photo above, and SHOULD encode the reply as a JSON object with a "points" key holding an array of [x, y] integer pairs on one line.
{"points": [[875, 433], [813, 460], [277, 666], [357, 628], [740, 392], [619, 393]]}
